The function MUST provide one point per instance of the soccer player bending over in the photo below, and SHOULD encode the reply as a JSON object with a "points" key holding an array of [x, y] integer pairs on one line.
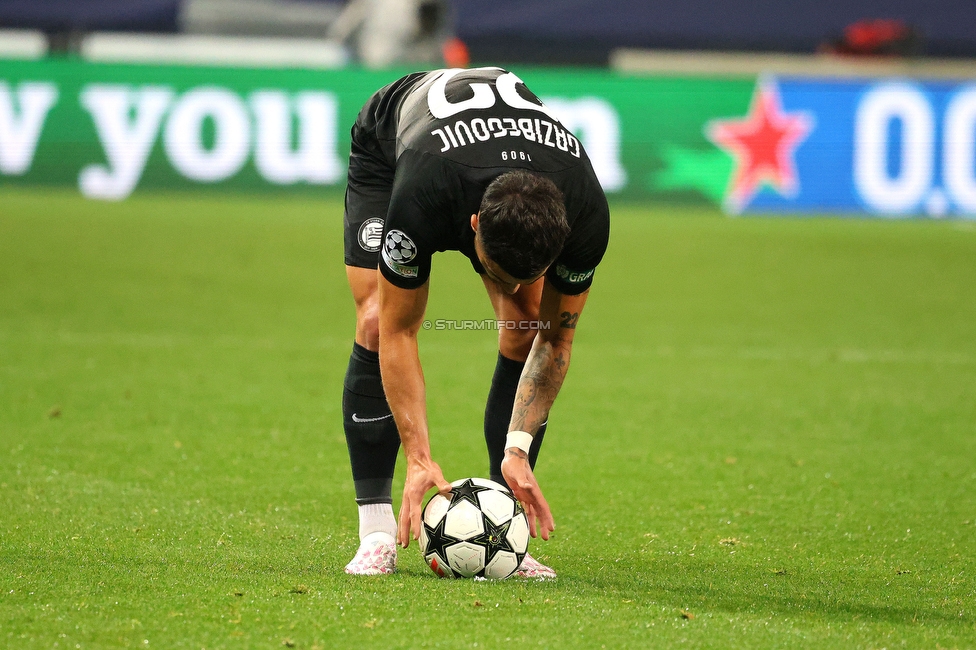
{"points": [[466, 160]]}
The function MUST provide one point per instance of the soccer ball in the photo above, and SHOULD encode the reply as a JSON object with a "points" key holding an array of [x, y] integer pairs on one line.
{"points": [[478, 530]]}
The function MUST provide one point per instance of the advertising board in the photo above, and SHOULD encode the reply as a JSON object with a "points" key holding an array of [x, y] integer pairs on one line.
{"points": [[872, 146]]}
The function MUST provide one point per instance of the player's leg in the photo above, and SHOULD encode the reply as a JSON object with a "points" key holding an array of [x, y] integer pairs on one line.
{"points": [[371, 433], [514, 344]]}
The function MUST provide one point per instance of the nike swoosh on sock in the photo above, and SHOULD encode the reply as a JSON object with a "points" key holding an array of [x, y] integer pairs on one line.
{"points": [[360, 420]]}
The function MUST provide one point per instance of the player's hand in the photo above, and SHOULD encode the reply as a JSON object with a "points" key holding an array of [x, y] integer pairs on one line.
{"points": [[518, 474], [420, 478]]}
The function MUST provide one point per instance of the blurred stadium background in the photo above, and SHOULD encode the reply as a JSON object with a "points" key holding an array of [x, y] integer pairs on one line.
{"points": [[860, 106]]}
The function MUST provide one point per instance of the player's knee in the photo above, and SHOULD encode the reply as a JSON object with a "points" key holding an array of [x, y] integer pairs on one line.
{"points": [[516, 343], [368, 330], [368, 323]]}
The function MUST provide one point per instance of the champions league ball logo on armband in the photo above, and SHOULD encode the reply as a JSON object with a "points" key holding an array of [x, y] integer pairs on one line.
{"points": [[398, 250]]}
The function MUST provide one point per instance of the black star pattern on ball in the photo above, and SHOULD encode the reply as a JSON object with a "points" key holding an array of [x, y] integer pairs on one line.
{"points": [[494, 539], [467, 491], [438, 541]]}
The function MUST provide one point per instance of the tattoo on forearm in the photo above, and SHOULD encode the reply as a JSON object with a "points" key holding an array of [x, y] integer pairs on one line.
{"points": [[569, 319], [516, 453], [538, 388], [560, 362]]}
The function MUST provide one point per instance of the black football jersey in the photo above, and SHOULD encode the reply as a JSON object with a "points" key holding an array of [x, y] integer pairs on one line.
{"points": [[453, 132]]}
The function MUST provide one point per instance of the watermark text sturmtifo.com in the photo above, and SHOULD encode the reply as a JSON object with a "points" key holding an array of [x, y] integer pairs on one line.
{"points": [[485, 324]]}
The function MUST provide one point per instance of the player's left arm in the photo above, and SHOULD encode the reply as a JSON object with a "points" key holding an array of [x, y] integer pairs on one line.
{"points": [[542, 378]]}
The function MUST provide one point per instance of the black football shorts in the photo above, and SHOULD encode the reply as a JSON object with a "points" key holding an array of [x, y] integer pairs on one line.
{"points": [[370, 182]]}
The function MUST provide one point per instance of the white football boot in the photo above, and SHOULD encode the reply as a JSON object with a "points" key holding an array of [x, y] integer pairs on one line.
{"points": [[534, 570], [377, 555]]}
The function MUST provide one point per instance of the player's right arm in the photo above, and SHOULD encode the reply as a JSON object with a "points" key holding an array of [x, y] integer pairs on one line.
{"points": [[401, 316]]}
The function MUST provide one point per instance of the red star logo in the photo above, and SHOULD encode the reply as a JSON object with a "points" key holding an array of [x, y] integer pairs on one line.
{"points": [[762, 144]]}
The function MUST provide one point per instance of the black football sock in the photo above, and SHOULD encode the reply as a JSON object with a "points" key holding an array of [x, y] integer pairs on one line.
{"points": [[371, 433], [498, 415]]}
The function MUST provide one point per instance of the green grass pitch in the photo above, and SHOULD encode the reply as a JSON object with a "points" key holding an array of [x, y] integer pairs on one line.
{"points": [[767, 437]]}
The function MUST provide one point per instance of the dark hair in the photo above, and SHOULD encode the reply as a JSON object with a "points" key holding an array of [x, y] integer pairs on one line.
{"points": [[522, 223]]}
